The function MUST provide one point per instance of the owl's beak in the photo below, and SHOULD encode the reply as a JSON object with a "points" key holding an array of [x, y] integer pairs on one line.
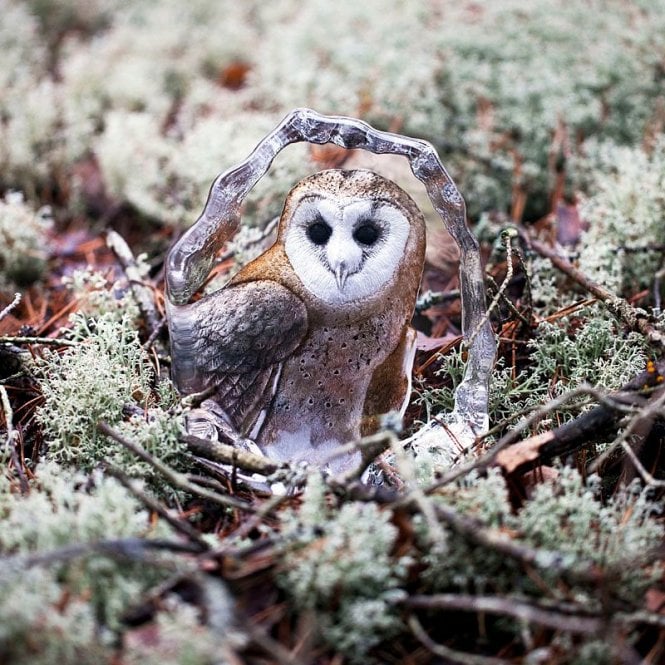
{"points": [[341, 273]]}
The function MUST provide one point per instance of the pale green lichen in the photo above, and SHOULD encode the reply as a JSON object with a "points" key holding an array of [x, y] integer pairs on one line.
{"points": [[340, 563], [180, 638], [37, 627], [68, 606], [459, 565], [596, 352], [64, 599], [168, 177], [23, 241], [97, 297], [587, 348], [97, 381], [508, 92], [565, 516], [90, 383], [622, 247], [524, 85], [57, 17], [156, 431], [568, 517]]}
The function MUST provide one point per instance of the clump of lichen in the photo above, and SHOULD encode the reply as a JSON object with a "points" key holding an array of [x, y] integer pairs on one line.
{"points": [[89, 383], [97, 297], [339, 563], [140, 105], [524, 90], [168, 177], [622, 248], [106, 375], [22, 241], [64, 607], [342, 562], [181, 638], [587, 348], [565, 516]]}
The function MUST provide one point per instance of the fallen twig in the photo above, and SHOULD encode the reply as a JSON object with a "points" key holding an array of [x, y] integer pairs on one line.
{"points": [[488, 459], [227, 454], [126, 548], [179, 525], [44, 341], [493, 539], [506, 235], [594, 425], [452, 656], [648, 414], [370, 447], [634, 318], [177, 479], [12, 438], [14, 303], [511, 607], [9, 417], [431, 298], [273, 648], [142, 293]]}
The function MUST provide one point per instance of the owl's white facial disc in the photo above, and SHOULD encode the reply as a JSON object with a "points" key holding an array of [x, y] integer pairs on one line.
{"points": [[345, 249]]}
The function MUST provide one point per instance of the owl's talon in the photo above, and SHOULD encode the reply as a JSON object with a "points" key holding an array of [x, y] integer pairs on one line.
{"points": [[202, 424], [208, 422]]}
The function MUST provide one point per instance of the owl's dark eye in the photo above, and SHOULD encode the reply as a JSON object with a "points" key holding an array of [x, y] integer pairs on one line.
{"points": [[366, 234], [319, 232]]}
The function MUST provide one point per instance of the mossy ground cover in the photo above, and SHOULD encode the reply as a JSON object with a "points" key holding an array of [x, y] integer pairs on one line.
{"points": [[543, 544]]}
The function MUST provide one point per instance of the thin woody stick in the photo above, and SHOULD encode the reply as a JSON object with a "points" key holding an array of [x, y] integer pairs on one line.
{"points": [[621, 308]]}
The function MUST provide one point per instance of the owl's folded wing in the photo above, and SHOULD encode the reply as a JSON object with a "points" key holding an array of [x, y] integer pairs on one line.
{"points": [[236, 340]]}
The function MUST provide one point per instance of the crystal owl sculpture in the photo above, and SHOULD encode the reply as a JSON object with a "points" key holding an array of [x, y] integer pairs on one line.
{"points": [[313, 336], [311, 340]]}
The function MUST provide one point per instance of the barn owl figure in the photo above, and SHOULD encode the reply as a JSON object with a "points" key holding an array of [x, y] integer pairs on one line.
{"points": [[312, 338]]}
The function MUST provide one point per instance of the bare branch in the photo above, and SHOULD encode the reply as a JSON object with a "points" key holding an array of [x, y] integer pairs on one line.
{"points": [[493, 539], [651, 411], [124, 548], [227, 454], [508, 606], [152, 504], [370, 446], [142, 293], [44, 341], [9, 418], [175, 478], [634, 318], [14, 303]]}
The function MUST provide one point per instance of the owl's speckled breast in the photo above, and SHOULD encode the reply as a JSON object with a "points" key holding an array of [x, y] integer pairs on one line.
{"points": [[322, 388]]}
